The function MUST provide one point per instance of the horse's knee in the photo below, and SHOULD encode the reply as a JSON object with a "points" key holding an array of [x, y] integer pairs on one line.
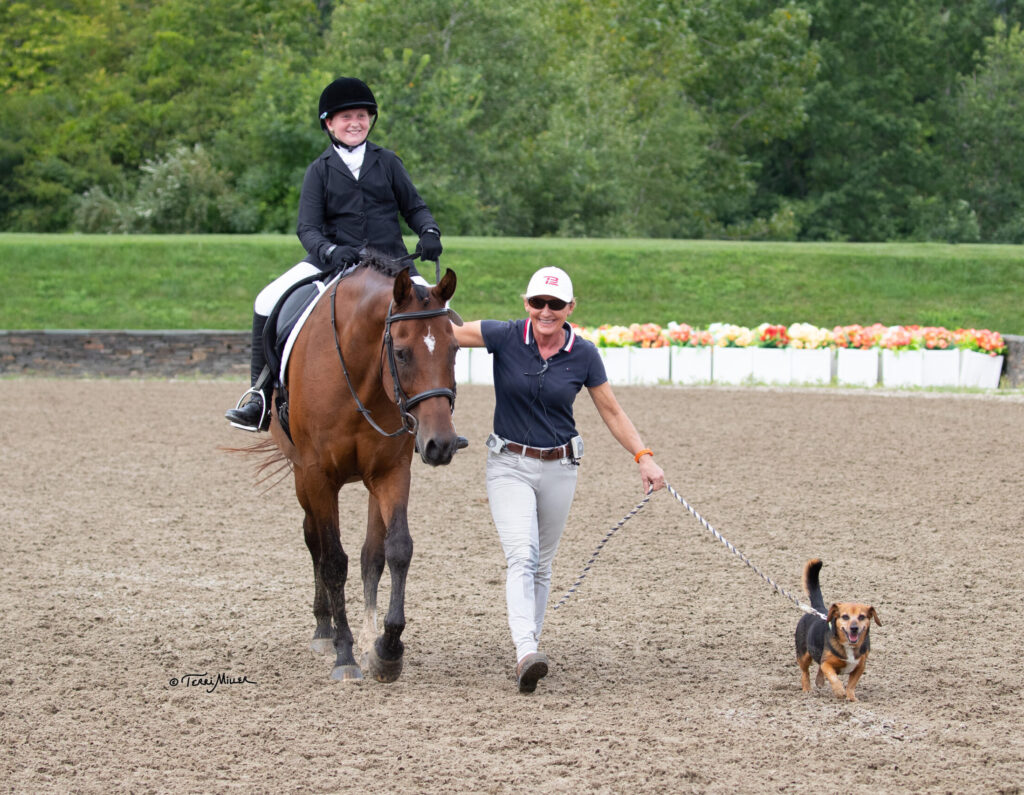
{"points": [[399, 550], [334, 567]]}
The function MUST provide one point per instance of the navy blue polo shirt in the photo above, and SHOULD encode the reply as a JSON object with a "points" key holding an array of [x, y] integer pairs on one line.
{"points": [[533, 398]]}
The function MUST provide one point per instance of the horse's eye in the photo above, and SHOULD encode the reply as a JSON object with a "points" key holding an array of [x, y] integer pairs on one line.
{"points": [[402, 355]]}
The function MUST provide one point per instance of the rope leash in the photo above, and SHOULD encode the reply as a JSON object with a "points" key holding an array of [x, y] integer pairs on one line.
{"points": [[741, 556], [707, 526], [636, 509]]}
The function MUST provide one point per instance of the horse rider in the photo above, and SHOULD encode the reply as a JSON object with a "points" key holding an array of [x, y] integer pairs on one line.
{"points": [[351, 198]]}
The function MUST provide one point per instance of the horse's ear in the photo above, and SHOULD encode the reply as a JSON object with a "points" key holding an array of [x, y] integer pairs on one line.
{"points": [[403, 287], [446, 287]]}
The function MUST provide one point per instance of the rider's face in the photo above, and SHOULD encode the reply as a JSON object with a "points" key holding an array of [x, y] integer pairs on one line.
{"points": [[350, 126]]}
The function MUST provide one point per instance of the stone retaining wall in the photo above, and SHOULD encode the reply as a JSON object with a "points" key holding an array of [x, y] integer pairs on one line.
{"points": [[125, 353], [206, 353], [1014, 368]]}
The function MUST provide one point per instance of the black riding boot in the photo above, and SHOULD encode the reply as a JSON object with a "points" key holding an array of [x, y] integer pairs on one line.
{"points": [[255, 414]]}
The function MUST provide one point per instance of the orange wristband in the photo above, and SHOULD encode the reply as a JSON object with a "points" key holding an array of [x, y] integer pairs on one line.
{"points": [[643, 452]]}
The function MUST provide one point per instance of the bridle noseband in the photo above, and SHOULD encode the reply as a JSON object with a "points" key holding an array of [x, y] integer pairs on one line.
{"points": [[402, 400]]}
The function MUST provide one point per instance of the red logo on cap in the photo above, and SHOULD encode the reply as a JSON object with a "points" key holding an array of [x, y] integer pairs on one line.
{"points": [[551, 280]]}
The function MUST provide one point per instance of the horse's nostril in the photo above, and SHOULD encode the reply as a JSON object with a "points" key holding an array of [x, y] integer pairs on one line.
{"points": [[437, 452]]}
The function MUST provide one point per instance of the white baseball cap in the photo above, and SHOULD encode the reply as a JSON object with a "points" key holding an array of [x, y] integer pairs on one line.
{"points": [[551, 281]]}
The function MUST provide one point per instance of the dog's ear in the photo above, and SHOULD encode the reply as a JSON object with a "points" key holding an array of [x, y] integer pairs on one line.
{"points": [[872, 613], [833, 613]]}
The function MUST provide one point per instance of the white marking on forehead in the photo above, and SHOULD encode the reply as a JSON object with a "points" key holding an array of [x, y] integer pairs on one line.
{"points": [[429, 341]]}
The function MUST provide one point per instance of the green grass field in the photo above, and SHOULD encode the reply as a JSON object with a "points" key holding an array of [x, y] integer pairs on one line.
{"points": [[209, 282]]}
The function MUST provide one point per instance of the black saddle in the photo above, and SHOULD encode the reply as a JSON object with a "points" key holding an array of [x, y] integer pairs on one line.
{"points": [[284, 316], [279, 325]]}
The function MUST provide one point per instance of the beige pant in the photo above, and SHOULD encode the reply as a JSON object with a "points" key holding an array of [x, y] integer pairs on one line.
{"points": [[530, 501]]}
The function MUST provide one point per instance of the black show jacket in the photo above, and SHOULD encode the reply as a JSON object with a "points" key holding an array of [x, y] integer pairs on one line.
{"points": [[337, 209]]}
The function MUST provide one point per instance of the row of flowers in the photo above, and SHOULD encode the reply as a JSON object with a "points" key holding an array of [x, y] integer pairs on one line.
{"points": [[798, 336]]}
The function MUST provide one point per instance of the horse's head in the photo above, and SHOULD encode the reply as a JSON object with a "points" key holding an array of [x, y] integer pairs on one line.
{"points": [[422, 361]]}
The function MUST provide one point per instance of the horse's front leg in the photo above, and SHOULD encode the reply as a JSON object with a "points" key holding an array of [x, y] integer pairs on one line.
{"points": [[385, 658], [319, 498]]}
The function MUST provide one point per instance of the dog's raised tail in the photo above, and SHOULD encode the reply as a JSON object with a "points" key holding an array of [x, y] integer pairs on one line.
{"points": [[811, 586]]}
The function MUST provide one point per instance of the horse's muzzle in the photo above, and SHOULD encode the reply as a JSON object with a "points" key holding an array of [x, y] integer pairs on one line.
{"points": [[436, 449]]}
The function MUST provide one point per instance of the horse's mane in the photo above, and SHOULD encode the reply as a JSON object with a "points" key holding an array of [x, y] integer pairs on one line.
{"points": [[386, 266]]}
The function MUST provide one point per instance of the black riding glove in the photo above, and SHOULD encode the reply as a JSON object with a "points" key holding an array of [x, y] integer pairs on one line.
{"points": [[429, 247], [341, 256]]}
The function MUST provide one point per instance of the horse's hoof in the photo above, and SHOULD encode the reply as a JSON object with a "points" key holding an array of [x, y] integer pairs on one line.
{"points": [[347, 673], [322, 646], [380, 669]]}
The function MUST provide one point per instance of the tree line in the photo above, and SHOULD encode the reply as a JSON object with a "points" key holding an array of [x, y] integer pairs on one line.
{"points": [[744, 119]]}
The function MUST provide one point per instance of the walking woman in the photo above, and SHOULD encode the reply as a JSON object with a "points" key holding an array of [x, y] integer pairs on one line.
{"points": [[533, 457]]}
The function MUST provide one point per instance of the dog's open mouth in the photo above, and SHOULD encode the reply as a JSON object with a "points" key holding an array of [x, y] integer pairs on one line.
{"points": [[853, 634]]}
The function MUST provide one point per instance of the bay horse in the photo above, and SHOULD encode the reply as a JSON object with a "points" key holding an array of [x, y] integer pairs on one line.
{"points": [[371, 376]]}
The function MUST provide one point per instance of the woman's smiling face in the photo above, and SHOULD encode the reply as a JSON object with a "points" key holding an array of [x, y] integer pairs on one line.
{"points": [[545, 320]]}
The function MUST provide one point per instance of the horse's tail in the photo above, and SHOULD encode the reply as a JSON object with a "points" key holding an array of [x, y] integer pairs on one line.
{"points": [[274, 461]]}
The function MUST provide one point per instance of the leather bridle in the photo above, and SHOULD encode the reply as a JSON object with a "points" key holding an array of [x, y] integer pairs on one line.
{"points": [[402, 400]]}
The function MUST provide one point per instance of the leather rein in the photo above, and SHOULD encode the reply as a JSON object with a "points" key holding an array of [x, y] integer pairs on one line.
{"points": [[402, 400]]}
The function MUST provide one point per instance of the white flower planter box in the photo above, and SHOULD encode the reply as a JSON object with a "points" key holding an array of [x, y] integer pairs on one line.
{"points": [[616, 365], [980, 370], [770, 365], [732, 365], [941, 368], [857, 367], [902, 368], [690, 365], [481, 368], [462, 365], [649, 365], [811, 365]]}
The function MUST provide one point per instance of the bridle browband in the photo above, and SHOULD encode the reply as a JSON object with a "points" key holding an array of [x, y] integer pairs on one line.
{"points": [[402, 400]]}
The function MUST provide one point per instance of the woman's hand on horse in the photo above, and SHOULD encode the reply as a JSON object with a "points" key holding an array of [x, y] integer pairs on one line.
{"points": [[429, 247]]}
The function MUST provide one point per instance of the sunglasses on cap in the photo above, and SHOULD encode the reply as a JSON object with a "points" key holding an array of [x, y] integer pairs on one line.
{"points": [[556, 304]]}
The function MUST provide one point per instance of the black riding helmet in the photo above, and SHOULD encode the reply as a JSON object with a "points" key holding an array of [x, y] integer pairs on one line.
{"points": [[346, 92]]}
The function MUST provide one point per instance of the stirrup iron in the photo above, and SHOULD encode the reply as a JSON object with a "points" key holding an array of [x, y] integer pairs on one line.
{"points": [[264, 410]]}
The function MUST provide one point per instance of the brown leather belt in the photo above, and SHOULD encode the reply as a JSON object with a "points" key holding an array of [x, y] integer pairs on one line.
{"points": [[543, 453]]}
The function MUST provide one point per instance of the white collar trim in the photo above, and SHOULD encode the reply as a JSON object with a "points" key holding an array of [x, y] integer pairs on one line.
{"points": [[569, 342]]}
